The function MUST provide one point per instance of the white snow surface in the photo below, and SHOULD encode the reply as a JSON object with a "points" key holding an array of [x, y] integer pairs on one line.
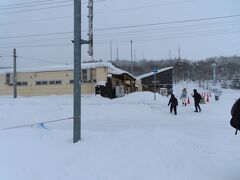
{"points": [[129, 138]]}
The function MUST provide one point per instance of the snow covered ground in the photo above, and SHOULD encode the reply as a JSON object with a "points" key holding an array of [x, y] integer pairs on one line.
{"points": [[129, 138]]}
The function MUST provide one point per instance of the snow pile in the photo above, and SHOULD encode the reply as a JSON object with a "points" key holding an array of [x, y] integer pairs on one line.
{"points": [[128, 138]]}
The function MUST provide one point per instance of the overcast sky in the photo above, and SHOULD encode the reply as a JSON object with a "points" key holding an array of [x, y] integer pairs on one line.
{"points": [[197, 39]]}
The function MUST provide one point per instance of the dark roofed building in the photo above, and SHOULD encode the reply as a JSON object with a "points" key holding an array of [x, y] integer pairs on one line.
{"points": [[163, 80]]}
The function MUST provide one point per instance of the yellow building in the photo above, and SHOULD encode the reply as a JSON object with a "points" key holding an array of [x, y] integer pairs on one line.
{"points": [[58, 80]]}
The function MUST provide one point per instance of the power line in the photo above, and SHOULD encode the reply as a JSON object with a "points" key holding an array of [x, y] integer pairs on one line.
{"points": [[174, 28], [144, 7], [37, 20], [41, 45], [171, 36], [186, 28], [60, 33], [36, 35], [178, 37], [166, 23], [36, 9], [126, 40], [37, 40], [37, 2], [33, 59], [40, 60], [126, 9], [31, 5], [44, 8], [18, 4], [129, 26], [46, 2]]}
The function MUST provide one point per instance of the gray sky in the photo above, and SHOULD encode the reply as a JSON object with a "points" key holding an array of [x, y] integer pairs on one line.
{"points": [[198, 40]]}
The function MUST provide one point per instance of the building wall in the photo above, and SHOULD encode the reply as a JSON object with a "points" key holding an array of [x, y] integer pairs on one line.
{"points": [[66, 86], [139, 85], [163, 80], [164, 77]]}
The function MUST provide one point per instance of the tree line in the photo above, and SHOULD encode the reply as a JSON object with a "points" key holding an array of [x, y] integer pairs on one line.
{"points": [[227, 69]]}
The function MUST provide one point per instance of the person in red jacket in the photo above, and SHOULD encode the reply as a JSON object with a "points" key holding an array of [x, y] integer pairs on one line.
{"points": [[173, 102]]}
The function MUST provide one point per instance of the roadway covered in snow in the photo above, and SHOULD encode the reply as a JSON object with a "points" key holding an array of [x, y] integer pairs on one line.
{"points": [[128, 138]]}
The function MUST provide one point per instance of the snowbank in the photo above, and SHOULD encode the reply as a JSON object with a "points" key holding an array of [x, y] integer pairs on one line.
{"points": [[128, 138]]}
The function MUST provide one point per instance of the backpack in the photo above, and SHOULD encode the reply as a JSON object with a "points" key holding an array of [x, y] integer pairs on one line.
{"points": [[200, 99], [235, 112]]}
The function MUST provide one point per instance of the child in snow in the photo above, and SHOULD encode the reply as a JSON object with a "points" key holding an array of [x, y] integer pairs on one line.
{"points": [[184, 97], [173, 102]]}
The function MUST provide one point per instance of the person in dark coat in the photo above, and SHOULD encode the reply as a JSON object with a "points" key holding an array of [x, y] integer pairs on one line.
{"points": [[173, 102], [197, 98], [109, 88], [235, 112]]}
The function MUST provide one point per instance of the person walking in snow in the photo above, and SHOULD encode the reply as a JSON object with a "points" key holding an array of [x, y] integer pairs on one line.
{"points": [[197, 98], [173, 102], [235, 112], [184, 97]]}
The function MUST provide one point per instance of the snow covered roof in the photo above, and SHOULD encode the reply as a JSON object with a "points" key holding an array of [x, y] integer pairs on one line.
{"points": [[115, 71], [152, 73], [112, 69]]}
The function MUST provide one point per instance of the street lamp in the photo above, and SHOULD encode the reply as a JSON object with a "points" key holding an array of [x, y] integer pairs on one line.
{"points": [[214, 65]]}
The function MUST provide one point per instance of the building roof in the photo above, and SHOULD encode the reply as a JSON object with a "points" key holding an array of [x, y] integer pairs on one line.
{"points": [[152, 73], [112, 69]]}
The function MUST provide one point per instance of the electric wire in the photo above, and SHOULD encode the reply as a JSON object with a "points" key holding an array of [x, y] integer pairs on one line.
{"points": [[25, 3], [173, 32], [174, 28], [36, 35], [184, 28], [169, 30], [111, 11], [32, 59], [36, 20], [43, 8], [167, 22], [37, 40], [176, 37], [36, 3], [144, 7], [30, 5], [40, 60], [126, 40], [128, 26]]}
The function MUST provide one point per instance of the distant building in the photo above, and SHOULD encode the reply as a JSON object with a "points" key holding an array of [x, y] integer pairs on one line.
{"points": [[164, 79], [58, 80]]}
